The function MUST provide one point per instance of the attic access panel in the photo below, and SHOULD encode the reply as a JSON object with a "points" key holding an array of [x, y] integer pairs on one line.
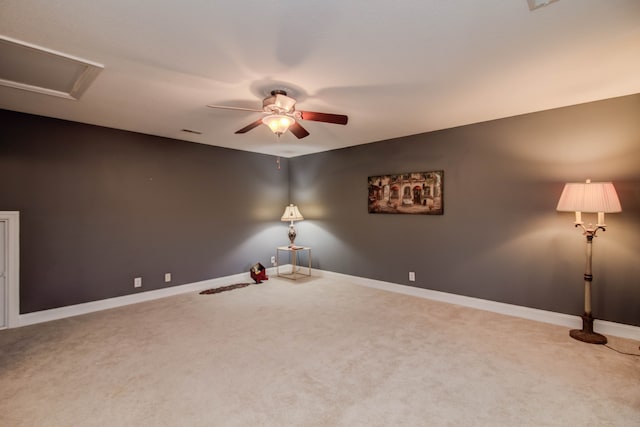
{"points": [[29, 67]]}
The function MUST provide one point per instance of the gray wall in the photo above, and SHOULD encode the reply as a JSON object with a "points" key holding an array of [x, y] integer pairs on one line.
{"points": [[500, 237], [99, 207]]}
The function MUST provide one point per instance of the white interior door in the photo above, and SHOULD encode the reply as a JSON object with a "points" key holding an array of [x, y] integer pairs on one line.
{"points": [[9, 269], [3, 274]]}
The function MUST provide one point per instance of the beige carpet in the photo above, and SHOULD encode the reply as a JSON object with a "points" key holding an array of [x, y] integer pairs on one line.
{"points": [[310, 353]]}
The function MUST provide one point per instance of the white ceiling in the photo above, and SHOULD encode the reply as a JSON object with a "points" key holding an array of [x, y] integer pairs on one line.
{"points": [[395, 68]]}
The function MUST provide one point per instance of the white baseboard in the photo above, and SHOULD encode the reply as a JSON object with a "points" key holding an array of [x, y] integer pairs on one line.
{"points": [[90, 307], [560, 319], [572, 322]]}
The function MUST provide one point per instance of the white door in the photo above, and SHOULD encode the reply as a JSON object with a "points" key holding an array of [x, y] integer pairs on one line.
{"points": [[9, 269], [3, 274]]}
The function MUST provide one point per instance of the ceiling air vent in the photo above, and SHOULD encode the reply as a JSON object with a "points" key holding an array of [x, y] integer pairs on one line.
{"points": [[29, 67], [537, 4]]}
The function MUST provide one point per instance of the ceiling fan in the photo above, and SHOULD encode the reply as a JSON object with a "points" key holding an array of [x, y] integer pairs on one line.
{"points": [[282, 115]]}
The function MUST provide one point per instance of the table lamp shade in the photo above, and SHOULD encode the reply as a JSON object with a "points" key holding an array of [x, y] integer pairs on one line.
{"points": [[589, 197], [291, 213]]}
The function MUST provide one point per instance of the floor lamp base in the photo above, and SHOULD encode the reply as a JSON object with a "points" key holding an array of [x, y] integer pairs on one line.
{"points": [[586, 334]]}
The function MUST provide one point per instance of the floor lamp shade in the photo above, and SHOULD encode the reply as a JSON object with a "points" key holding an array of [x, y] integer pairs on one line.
{"points": [[589, 197]]}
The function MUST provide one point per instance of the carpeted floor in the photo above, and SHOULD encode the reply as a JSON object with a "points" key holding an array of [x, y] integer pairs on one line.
{"points": [[315, 352]]}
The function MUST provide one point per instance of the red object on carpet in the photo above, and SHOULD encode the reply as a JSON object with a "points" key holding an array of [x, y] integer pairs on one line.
{"points": [[258, 273]]}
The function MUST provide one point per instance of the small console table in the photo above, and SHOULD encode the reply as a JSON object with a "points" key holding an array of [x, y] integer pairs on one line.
{"points": [[294, 260]]}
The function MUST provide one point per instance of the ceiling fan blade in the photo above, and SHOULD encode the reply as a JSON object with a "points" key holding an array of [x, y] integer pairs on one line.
{"points": [[298, 130], [224, 107], [337, 119], [248, 127]]}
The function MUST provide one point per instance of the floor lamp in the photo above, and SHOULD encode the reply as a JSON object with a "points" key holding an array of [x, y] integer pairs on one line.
{"points": [[589, 197]]}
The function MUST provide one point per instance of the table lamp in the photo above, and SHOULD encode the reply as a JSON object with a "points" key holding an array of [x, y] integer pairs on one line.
{"points": [[291, 213]]}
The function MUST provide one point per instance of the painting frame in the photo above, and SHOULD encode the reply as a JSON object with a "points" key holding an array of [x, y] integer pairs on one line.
{"points": [[409, 193]]}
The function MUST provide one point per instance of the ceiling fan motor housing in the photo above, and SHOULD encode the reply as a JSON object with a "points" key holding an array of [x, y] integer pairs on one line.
{"points": [[278, 103]]}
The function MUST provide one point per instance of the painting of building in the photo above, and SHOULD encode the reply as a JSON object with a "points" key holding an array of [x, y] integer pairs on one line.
{"points": [[406, 193]]}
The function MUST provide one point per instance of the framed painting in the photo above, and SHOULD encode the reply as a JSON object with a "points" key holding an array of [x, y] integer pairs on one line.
{"points": [[417, 193]]}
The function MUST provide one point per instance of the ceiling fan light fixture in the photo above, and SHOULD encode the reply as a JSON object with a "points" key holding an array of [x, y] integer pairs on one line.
{"points": [[278, 123]]}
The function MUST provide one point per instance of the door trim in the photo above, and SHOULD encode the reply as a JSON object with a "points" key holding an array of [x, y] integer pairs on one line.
{"points": [[12, 219]]}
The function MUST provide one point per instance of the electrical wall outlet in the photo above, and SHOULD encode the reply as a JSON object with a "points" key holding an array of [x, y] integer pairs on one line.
{"points": [[137, 282], [167, 277], [412, 276], [273, 260]]}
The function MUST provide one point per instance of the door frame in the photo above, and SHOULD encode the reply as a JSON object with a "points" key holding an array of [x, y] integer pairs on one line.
{"points": [[12, 297]]}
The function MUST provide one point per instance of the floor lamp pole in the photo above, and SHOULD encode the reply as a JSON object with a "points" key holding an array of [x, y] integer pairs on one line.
{"points": [[586, 334]]}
